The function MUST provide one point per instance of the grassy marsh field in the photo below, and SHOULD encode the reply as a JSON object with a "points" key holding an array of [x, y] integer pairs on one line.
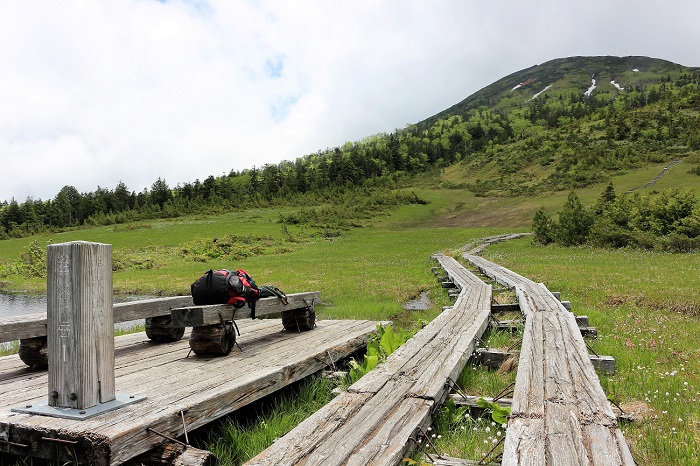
{"points": [[646, 305]]}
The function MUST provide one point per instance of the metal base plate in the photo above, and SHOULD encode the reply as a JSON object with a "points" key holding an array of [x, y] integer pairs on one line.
{"points": [[79, 414]]}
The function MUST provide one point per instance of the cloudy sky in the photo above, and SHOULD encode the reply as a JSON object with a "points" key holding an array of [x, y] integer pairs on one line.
{"points": [[97, 91]]}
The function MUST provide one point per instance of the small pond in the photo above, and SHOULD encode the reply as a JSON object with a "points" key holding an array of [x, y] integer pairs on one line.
{"points": [[17, 304]]}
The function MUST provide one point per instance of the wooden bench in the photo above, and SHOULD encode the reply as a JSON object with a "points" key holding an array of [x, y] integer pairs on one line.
{"points": [[373, 421], [560, 414], [214, 328]]}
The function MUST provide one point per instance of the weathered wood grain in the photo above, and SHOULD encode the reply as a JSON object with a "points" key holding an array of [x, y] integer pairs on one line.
{"points": [[80, 324], [196, 316], [203, 388], [386, 406], [560, 414], [494, 358]]}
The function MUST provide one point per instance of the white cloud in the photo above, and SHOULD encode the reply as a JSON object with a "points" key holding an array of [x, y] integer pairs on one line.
{"points": [[96, 92]]}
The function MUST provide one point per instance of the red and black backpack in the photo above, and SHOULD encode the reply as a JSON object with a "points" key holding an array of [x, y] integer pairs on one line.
{"points": [[225, 287]]}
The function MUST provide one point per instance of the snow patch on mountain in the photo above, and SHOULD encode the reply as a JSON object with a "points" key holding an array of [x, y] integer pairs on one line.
{"points": [[619, 88], [536, 95], [590, 89]]}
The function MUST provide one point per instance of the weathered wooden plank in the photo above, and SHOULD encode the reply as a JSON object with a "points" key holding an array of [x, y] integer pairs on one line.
{"points": [[456, 272], [558, 379], [389, 443], [80, 324], [196, 316], [559, 413], [417, 356], [565, 442], [25, 326], [525, 443], [494, 358], [459, 344], [496, 272], [348, 437], [603, 448], [397, 395], [135, 310], [528, 399], [34, 325], [304, 438], [416, 352]]}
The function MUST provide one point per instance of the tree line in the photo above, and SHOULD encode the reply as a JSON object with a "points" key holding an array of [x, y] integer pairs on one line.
{"points": [[668, 220]]}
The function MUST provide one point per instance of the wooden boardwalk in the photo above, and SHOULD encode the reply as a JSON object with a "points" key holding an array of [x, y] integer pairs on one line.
{"points": [[198, 389], [560, 414], [373, 421]]}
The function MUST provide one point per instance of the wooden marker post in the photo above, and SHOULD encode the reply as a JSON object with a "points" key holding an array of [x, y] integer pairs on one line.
{"points": [[80, 324]]}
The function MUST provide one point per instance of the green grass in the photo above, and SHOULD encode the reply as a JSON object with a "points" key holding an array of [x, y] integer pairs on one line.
{"points": [[235, 441], [10, 347]]}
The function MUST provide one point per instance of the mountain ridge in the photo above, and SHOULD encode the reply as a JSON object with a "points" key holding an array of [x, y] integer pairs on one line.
{"points": [[590, 65]]}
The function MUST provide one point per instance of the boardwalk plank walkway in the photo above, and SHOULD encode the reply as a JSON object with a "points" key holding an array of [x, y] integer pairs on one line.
{"points": [[373, 421], [203, 388], [560, 414]]}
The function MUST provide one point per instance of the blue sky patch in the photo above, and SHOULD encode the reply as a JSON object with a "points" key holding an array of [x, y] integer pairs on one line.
{"points": [[281, 108], [274, 66]]}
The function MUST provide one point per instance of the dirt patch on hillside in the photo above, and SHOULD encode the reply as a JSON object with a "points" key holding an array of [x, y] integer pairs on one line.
{"points": [[485, 213]]}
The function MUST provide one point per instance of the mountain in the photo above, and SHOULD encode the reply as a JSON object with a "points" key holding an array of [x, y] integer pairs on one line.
{"points": [[564, 76], [569, 123]]}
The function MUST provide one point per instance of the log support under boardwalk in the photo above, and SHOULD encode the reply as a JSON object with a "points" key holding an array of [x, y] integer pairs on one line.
{"points": [[34, 352], [161, 329], [213, 340]]}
